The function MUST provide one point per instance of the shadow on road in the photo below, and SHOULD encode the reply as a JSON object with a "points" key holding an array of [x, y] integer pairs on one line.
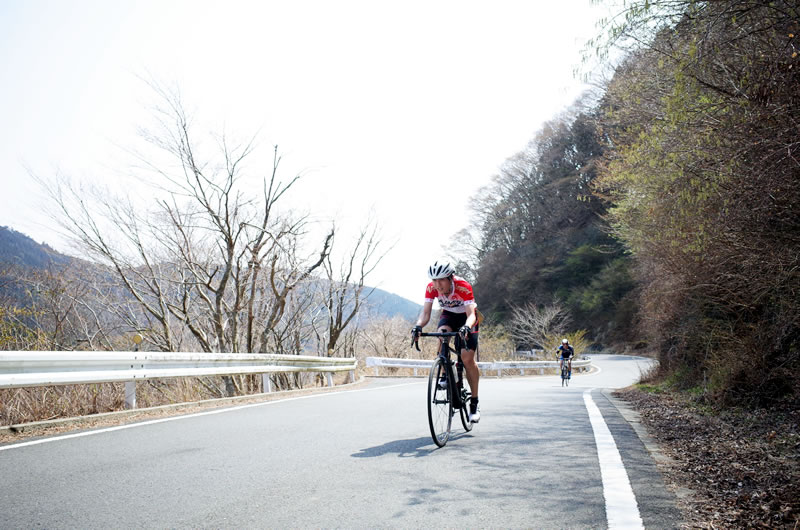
{"points": [[415, 447]]}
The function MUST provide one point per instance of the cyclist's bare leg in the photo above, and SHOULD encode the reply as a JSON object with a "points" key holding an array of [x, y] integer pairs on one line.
{"points": [[443, 329], [473, 372]]}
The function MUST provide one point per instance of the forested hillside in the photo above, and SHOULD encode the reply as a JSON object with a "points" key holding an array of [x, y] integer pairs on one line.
{"points": [[543, 238], [669, 211], [705, 185]]}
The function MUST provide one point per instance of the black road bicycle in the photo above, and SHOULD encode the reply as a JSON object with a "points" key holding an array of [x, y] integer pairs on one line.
{"points": [[565, 372], [447, 389]]}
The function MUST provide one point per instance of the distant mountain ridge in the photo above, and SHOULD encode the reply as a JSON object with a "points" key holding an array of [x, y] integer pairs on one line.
{"points": [[17, 249], [390, 304]]}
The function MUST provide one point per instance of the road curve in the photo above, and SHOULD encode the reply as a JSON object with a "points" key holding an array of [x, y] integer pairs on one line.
{"points": [[359, 458]]}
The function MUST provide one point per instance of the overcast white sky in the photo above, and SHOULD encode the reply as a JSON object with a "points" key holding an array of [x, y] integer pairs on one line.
{"points": [[403, 108]]}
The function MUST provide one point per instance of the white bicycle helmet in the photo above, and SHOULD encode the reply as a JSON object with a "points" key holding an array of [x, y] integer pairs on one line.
{"points": [[565, 341], [440, 270]]}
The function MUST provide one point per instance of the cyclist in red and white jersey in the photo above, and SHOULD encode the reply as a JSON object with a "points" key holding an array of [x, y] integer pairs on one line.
{"points": [[459, 312]]}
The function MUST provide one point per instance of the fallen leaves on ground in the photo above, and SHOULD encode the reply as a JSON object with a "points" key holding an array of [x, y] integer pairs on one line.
{"points": [[743, 467]]}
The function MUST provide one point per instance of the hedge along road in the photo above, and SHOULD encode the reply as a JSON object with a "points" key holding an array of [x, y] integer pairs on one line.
{"points": [[358, 458]]}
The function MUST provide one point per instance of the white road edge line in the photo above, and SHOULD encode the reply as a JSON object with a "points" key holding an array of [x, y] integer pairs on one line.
{"points": [[195, 415], [622, 510]]}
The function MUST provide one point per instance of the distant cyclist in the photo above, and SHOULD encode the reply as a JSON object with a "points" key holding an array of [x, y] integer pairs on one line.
{"points": [[459, 312], [565, 353]]}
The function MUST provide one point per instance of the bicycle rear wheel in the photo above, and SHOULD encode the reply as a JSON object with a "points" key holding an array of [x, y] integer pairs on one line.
{"points": [[440, 404]]}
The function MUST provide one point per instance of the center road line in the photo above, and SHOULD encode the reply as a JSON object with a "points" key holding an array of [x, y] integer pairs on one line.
{"points": [[622, 511]]}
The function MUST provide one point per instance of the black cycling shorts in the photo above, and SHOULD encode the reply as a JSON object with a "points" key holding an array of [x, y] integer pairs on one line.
{"points": [[454, 321]]}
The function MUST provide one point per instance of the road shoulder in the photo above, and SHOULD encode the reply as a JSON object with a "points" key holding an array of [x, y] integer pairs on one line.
{"points": [[658, 504]]}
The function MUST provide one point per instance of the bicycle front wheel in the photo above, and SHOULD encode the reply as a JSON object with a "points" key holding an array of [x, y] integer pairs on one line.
{"points": [[440, 403], [465, 410]]}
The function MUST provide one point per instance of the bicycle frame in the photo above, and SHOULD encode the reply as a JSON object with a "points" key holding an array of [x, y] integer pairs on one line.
{"points": [[566, 363], [455, 369]]}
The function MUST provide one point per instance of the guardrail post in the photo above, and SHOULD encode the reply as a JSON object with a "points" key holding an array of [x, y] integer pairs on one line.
{"points": [[266, 384], [351, 376], [329, 378], [130, 394]]}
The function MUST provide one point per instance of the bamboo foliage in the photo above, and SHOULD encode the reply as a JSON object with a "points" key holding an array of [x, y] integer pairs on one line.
{"points": [[704, 176]]}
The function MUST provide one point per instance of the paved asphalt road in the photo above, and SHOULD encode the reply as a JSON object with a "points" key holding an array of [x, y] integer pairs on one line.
{"points": [[353, 459]]}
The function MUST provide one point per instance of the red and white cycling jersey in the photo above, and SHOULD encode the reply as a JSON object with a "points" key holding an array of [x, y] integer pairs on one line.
{"points": [[456, 301]]}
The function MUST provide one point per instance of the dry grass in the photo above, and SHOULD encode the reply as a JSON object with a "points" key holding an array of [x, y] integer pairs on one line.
{"points": [[20, 433], [25, 405], [22, 405]]}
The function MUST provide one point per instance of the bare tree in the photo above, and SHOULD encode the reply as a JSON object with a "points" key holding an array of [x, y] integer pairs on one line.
{"points": [[536, 326], [211, 266], [17, 326], [58, 306], [66, 309], [386, 337], [344, 292]]}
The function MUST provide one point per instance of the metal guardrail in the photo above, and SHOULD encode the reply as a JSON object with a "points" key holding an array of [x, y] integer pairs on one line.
{"points": [[45, 368], [499, 366]]}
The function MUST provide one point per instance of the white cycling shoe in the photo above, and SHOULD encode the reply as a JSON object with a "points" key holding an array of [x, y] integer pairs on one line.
{"points": [[474, 417]]}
